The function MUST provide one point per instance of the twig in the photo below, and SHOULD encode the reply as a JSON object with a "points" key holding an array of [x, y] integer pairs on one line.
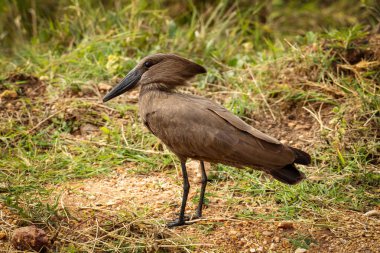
{"points": [[261, 93], [105, 107], [317, 117], [96, 235], [44, 120], [123, 135], [63, 205], [185, 245], [55, 236], [370, 118], [215, 219]]}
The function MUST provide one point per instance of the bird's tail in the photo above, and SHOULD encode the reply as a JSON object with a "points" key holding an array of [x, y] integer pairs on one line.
{"points": [[288, 174], [301, 156]]}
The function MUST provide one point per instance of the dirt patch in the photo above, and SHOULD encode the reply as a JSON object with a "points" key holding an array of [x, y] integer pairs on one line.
{"points": [[122, 191], [24, 85], [295, 126], [129, 207], [158, 197], [365, 49], [20, 95], [355, 234]]}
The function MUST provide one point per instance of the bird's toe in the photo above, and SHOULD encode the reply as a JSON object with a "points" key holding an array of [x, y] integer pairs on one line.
{"points": [[176, 223], [196, 216]]}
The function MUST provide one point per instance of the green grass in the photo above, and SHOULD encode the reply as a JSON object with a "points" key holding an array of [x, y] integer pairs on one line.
{"points": [[255, 67]]}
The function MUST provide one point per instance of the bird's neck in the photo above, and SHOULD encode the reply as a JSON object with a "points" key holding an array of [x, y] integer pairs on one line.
{"points": [[151, 95], [154, 88]]}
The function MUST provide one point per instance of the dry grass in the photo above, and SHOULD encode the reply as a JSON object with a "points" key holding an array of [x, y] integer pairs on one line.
{"points": [[95, 180]]}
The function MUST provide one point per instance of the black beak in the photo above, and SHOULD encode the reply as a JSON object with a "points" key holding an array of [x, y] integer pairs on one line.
{"points": [[126, 84]]}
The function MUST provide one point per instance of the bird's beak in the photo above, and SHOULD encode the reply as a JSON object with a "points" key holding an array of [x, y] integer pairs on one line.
{"points": [[126, 84]]}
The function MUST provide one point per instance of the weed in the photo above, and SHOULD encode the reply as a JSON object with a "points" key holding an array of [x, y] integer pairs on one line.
{"points": [[304, 72]]}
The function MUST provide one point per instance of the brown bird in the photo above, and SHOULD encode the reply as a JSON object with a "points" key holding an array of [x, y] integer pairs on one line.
{"points": [[197, 128]]}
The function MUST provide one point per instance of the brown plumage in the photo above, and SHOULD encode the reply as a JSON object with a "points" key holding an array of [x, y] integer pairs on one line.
{"points": [[197, 128]]}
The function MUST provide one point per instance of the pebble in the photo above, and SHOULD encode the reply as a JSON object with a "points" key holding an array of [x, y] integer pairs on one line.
{"points": [[29, 238], [286, 225], [3, 235], [8, 94], [276, 239], [104, 86], [300, 250], [233, 232], [110, 203], [44, 78], [267, 233]]}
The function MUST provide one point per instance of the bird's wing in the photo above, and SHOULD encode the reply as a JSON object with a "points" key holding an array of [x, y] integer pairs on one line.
{"points": [[232, 119], [193, 127]]}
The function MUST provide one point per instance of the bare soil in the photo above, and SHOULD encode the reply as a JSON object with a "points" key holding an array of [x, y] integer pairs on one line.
{"points": [[220, 230], [90, 203]]}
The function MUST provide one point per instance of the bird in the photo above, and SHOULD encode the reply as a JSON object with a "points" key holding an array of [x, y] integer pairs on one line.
{"points": [[193, 127]]}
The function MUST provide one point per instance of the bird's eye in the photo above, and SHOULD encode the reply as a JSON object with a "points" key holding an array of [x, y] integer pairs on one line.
{"points": [[148, 64]]}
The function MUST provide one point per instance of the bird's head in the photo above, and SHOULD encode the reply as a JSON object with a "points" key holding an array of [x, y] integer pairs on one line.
{"points": [[167, 69]]}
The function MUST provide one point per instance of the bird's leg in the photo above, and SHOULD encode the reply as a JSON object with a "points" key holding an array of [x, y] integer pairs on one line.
{"points": [[198, 213], [186, 188]]}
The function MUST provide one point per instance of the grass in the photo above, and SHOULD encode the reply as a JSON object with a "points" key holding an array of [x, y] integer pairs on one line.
{"points": [[262, 65]]}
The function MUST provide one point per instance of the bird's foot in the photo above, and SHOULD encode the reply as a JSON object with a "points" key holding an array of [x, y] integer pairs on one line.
{"points": [[176, 223], [196, 216]]}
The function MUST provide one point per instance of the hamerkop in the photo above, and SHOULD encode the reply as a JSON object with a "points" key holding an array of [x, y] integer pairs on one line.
{"points": [[197, 128]]}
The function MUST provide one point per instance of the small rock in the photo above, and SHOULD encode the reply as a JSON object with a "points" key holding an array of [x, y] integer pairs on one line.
{"points": [[372, 213], [9, 106], [195, 172], [91, 197], [110, 203], [300, 250], [252, 250], [272, 246], [285, 243], [260, 249], [104, 86], [312, 245], [8, 94], [3, 235], [267, 233], [87, 129], [233, 232], [29, 238], [286, 225], [276, 239], [44, 78]]}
